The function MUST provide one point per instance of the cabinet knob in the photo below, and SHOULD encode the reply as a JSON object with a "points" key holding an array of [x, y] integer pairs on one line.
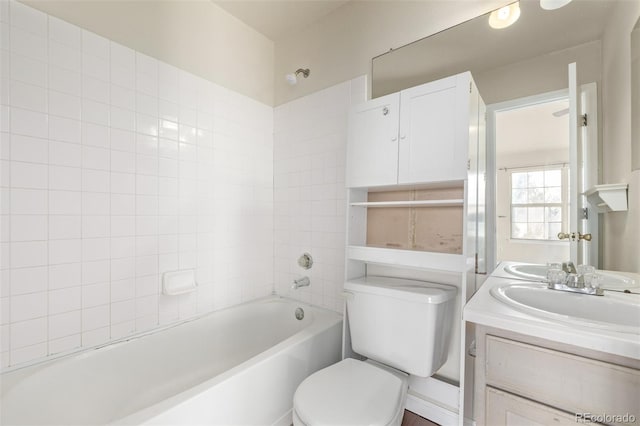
{"points": [[403, 137], [385, 110], [393, 139]]}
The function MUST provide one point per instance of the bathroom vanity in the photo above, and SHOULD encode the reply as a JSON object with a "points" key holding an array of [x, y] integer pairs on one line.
{"points": [[537, 366]]}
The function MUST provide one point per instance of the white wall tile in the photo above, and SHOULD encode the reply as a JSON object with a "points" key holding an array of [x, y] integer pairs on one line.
{"points": [[64, 32], [28, 19], [64, 129], [65, 275], [63, 227], [29, 227], [26, 333], [28, 70], [32, 150], [29, 123], [65, 81], [29, 175], [64, 56], [64, 105], [64, 178], [27, 254], [99, 197], [28, 44], [65, 300], [65, 203], [62, 325], [95, 45], [65, 251], [29, 280]]}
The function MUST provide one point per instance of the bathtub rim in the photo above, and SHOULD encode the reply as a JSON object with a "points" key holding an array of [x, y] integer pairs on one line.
{"points": [[43, 362]]}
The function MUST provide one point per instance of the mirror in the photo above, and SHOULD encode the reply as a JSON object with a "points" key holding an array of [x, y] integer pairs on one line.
{"points": [[525, 64], [635, 96]]}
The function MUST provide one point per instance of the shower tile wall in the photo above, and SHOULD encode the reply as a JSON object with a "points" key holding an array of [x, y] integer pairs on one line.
{"points": [[309, 193], [116, 167]]}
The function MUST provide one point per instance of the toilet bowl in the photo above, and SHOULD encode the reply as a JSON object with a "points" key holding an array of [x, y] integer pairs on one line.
{"points": [[351, 392], [402, 327]]}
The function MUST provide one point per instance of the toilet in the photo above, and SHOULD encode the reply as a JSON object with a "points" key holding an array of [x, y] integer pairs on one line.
{"points": [[402, 327]]}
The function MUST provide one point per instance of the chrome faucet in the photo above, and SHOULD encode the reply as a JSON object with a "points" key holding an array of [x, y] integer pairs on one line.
{"points": [[300, 282], [569, 267]]}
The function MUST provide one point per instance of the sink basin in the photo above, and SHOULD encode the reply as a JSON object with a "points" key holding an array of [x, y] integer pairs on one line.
{"points": [[584, 310], [539, 272]]}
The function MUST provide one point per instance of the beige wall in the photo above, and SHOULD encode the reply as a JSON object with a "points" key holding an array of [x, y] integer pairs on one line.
{"points": [[621, 229], [341, 45], [194, 35]]}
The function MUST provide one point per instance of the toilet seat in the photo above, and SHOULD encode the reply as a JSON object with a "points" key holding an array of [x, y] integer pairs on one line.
{"points": [[351, 392]]}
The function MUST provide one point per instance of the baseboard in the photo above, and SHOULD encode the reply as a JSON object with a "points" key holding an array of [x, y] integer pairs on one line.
{"points": [[431, 411]]}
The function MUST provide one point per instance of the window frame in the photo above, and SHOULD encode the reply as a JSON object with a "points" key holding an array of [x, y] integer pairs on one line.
{"points": [[564, 204]]}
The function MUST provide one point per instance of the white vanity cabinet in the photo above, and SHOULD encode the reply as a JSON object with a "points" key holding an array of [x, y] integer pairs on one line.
{"points": [[525, 380], [418, 135]]}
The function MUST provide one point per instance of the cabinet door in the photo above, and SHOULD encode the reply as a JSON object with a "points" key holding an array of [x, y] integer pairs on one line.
{"points": [[505, 409], [372, 147], [434, 131]]}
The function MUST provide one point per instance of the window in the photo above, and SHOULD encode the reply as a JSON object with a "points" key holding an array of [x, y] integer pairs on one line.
{"points": [[539, 203]]}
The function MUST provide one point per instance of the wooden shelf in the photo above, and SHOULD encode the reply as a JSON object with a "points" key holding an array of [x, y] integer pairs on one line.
{"points": [[409, 258], [416, 203]]}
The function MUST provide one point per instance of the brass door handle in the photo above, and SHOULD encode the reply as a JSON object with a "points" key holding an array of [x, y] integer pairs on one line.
{"points": [[586, 237], [566, 235]]}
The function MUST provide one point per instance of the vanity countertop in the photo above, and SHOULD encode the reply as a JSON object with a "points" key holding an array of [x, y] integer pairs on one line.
{"points": [[485, 309]]}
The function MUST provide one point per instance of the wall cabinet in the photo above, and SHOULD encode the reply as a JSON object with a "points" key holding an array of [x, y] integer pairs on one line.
{"points": [[412, 165], [415, 136]]}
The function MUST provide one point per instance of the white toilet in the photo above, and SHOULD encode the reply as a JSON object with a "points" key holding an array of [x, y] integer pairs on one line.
{"points": [[402, 327]]}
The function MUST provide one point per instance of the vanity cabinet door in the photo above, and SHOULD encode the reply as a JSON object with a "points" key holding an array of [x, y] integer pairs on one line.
{"points": [[372, 147], [506, 409], [434, 130]]}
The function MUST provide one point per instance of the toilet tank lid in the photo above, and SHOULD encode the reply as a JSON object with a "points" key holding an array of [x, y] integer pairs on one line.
{"points": [[399, 288]]}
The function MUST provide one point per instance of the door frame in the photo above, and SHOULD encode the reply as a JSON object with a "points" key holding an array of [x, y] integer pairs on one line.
{"points": [[491, 181]]}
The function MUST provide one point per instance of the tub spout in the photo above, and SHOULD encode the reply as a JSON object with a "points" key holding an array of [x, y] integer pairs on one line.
{"points": [[300, 282]]}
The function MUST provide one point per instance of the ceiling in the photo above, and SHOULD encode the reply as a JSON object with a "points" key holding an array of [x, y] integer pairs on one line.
{"points": [[534, 128], [276, 19]]}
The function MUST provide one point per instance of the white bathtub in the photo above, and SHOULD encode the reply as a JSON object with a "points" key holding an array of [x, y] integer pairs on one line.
{"points": [[236, 366]]}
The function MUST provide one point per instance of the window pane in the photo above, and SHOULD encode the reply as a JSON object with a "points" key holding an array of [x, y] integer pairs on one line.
{"points": [[553, 195], [519, 196], [535, 195], [518, 230], [553, 178], [535, 231], [535, 179], [519, 214], [518, 180], [536, 214], [552, 230], [553, 214]]}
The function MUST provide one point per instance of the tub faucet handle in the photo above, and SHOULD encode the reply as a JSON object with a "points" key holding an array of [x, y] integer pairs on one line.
{"points": [[300, 282]]}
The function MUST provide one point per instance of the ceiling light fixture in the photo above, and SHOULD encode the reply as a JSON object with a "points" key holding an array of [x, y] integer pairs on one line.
{"points": [[553, 4], [505, 16]]}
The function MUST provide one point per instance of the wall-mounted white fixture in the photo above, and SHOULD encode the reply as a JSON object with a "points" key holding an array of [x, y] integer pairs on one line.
{"points": [[292, 78], [305, 261], [610, 197], [505, 16], [178, 282], [553, 4]]}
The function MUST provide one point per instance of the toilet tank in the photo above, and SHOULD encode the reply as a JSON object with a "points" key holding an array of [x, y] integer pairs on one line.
{"points": [[405, 324]]}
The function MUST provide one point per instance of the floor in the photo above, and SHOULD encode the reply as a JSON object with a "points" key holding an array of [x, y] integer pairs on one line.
{"points": [[412, 419]]}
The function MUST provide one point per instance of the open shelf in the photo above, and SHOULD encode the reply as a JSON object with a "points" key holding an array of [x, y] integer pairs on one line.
{"points": [[413, 203], [409, 258], [610, 197]]}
